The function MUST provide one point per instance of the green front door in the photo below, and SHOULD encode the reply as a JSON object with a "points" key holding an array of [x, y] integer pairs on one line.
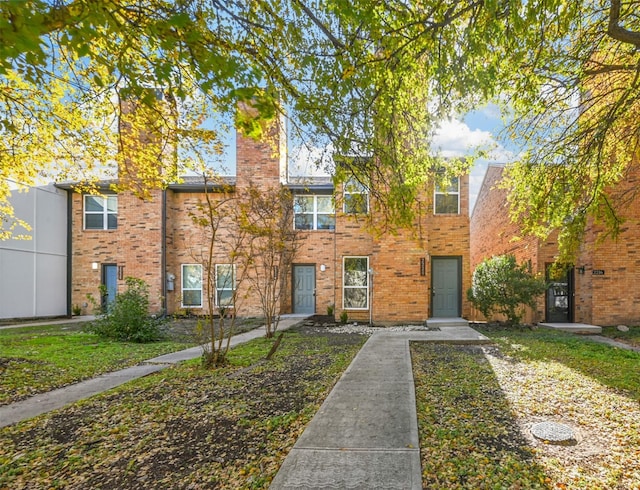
{"points": [[445, 287], [304, 289]]}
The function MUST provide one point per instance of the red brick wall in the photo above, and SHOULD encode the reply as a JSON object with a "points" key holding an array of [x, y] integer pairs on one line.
{"points": [[493, 233], [318, 248], [607, 299], [613, 298], [135, 246], [400, 292], [449, 236]]}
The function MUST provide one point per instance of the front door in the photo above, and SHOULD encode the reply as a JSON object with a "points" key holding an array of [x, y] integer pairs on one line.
{"points": [[304, 289], [445, 287], [110, 284], [559, 297]]}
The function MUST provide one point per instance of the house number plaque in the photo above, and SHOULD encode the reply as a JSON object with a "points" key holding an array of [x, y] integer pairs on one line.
{"points": [[598, 272]]}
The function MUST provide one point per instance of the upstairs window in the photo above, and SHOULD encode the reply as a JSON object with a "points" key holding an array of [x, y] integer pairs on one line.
{"points": [[447, 198], [314, 213], [191, 285], [225, 284], [100, 212], [356, 197]]}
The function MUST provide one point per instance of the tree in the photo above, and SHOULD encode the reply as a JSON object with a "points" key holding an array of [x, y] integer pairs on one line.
{"points": [[221, 277], [500, 285], [266, 217], [369, 78]]}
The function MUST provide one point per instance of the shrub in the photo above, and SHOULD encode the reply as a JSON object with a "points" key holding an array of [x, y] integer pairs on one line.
{"points": [[500, 285], [128, 318], [344, 317]]}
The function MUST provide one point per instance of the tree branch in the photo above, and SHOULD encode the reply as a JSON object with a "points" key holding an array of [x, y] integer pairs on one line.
{"points": [[334, 40], [616, 31]]}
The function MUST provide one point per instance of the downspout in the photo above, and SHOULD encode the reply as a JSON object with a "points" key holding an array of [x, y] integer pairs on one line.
{"points": [[163, 252], [335, 264], [69, 249]]}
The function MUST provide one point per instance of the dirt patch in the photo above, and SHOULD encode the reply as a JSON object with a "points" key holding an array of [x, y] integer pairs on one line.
{"points": [[185, 427]]}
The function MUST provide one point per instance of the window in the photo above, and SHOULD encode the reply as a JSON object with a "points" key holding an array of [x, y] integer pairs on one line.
{"points": [[356, 197], [225, 284], [355, 283], [447, 199], [100, 212], [314, 213], [191, 285]]}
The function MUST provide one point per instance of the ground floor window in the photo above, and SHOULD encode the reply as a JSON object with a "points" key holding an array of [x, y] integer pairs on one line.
{"points": [[355, 283], [191, 285], [225, 284]]}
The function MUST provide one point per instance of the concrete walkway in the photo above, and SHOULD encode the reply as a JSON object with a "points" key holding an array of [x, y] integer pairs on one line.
{"points": [[365, 435], [54, 321], [52, 400]]}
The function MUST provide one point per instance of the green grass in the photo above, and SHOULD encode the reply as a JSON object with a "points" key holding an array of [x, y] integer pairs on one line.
{"points": [[631, 337], [594, 388], [184, 427], [468, 436], [39, 359], [612, 367], [477, 404]]}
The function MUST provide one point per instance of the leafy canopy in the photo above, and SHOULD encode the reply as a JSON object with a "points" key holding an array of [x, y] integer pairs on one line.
{"points": [[364, 77]]}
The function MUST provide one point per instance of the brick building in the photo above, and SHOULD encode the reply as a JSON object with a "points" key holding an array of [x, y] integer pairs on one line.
{"points": [[409, 276], [600, 288]]}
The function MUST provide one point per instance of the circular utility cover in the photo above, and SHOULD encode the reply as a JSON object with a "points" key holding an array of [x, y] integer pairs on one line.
{"points": [[553, 433]]}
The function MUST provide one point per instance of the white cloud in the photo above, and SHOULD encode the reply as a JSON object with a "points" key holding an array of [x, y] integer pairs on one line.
{"points": [[454, 138], [310, 161]]}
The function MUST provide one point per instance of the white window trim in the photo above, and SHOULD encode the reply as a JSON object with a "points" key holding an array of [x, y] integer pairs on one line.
{"points": [[364, 191], [344, 287], [105, 211], [183, 289], [436, 192], [233, 288], [314, 213]]}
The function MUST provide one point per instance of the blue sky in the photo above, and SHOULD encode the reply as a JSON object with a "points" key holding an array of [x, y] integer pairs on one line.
{"points": [[456, 137]]}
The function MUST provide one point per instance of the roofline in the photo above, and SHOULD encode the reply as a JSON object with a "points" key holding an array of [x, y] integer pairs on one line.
{"points": [[310, 187], [176, 187]]}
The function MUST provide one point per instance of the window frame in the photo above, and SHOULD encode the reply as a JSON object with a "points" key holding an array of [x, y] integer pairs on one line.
{"points": [[232, 288], [183, 288], [361, 190], [345, 286], [105, 213], [438, 192], [314, 213]]}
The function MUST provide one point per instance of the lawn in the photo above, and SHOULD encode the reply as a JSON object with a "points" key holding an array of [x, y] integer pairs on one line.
{"points": [[38, 359], [184, 427], [631, 337], [187, 427], [477, 405]]}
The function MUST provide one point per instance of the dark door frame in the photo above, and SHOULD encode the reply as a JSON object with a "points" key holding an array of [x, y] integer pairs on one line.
{"points": [[571, 292]]}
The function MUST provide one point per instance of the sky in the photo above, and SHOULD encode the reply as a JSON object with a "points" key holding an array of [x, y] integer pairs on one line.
{"points": [[455, 138]]}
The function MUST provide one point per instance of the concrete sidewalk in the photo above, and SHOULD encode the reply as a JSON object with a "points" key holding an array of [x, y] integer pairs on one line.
{"points": [[365, 434], [52, 400]]}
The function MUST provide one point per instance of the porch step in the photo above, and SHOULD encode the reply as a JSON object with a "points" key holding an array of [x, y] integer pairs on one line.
{"points": [[447, 322]]}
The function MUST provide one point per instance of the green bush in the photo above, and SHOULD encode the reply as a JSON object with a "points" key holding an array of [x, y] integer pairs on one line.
{"points": [[344, 317], [128, 318], [500, 285]]}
